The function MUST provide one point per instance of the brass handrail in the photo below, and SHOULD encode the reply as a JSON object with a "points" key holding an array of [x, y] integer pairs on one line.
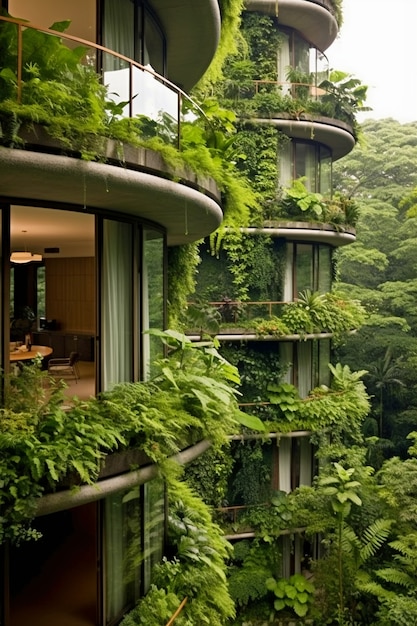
{"points": [[22, 24], [177, 612]]}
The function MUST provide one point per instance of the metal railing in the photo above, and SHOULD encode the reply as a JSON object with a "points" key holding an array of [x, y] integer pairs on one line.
{"points": [[233, 310], [177, 612], [139, 88], [296, 90]]}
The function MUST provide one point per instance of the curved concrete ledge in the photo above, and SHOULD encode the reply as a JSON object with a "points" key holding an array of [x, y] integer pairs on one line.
{"points": [[186, 213], [290, 435], [313, 20], [307, 231], [335, 134], [192, 32], [242, 336], [70, 498]]}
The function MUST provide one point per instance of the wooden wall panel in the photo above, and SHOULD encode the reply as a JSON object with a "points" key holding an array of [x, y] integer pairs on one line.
{"points": [[70, 293]]}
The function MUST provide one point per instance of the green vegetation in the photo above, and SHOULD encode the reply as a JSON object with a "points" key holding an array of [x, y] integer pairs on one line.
{"points": [[57, 78], [44, 443]]}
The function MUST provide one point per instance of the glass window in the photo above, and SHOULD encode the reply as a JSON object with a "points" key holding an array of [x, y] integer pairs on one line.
{"points": [[303, 268], [324, 270], [122, 552], [313, 162], [40, 291], [153, 45], [321, 359], [116, 304], [152, 295], [154, 525], [325, 171], [304, 367], [131, 30], [305, 164], [301, 54]]}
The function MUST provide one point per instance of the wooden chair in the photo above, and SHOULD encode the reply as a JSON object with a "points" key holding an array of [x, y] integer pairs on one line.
{"points": [[63, 366]]}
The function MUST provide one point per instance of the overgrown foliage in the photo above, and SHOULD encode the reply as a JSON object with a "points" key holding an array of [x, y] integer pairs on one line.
{"points": [[197, 570], [192, 397]]}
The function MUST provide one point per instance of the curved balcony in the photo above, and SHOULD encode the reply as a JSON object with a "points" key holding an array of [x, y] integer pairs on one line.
{"points": [[192, 33], [305, 111], [116, 176], [311, 316], [188, 209], [313, 19], [337, 136], [311, 232]]}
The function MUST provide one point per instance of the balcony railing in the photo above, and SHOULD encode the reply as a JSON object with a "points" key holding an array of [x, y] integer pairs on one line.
{"points": [[177, 612], [294, 89], [31, 56]]}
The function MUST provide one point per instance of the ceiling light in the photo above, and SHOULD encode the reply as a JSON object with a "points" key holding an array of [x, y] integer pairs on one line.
{"points": [[24, 257]]}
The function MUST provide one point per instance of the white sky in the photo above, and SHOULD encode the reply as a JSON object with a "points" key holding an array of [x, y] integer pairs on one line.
{"points": [[378, 44]]}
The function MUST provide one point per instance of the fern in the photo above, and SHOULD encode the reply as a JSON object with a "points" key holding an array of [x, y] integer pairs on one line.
{"points": [[396, 577], [374, 537]]}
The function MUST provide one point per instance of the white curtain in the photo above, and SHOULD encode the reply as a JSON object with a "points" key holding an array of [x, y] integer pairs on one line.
{"points": [[284, 464], [288, 294], [116, 304], [118, 30], [304, 368], [284, 62], [306, 462]]}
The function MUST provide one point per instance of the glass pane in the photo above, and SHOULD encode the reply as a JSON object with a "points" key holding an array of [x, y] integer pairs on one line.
{"points": [[118, 27], [154, 45], [301, 55], [157, 102], [122, 552], [152, 295], [324, 360], [304, 364], [40, 292], [116, 303], [154, 524], [325, 182], [324, 269], [305, 162], [304, 268]]}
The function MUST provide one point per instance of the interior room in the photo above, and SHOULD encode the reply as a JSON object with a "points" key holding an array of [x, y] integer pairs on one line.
{"points": [[52, 298]]}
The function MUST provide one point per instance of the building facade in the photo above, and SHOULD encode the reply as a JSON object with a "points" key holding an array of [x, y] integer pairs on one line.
{"points": [[283, 261], [96, 216]]}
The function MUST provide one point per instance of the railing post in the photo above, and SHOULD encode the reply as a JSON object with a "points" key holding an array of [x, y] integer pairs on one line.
{"points": [[179, 100], [177, 612], [19, 63]]}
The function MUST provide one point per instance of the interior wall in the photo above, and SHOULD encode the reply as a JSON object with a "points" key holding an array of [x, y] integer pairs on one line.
{"points": [[70, 293], [44, 13]]}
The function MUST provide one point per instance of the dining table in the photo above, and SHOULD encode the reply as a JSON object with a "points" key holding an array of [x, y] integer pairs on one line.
{"points": [[23, 354]]}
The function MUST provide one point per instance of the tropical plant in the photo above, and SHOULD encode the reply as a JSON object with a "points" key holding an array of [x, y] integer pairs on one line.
{"points": [[343, 492], [295, 593], [193, 396], [384, 373], [195, 571]]}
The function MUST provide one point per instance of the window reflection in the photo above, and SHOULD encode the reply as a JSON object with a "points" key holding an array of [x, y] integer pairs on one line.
{"points": [[122, 552], [154, 525], [153, 295]]}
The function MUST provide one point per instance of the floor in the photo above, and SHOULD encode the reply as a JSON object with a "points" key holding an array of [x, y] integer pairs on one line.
{"points": [[64, 594], [84, 387]]}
